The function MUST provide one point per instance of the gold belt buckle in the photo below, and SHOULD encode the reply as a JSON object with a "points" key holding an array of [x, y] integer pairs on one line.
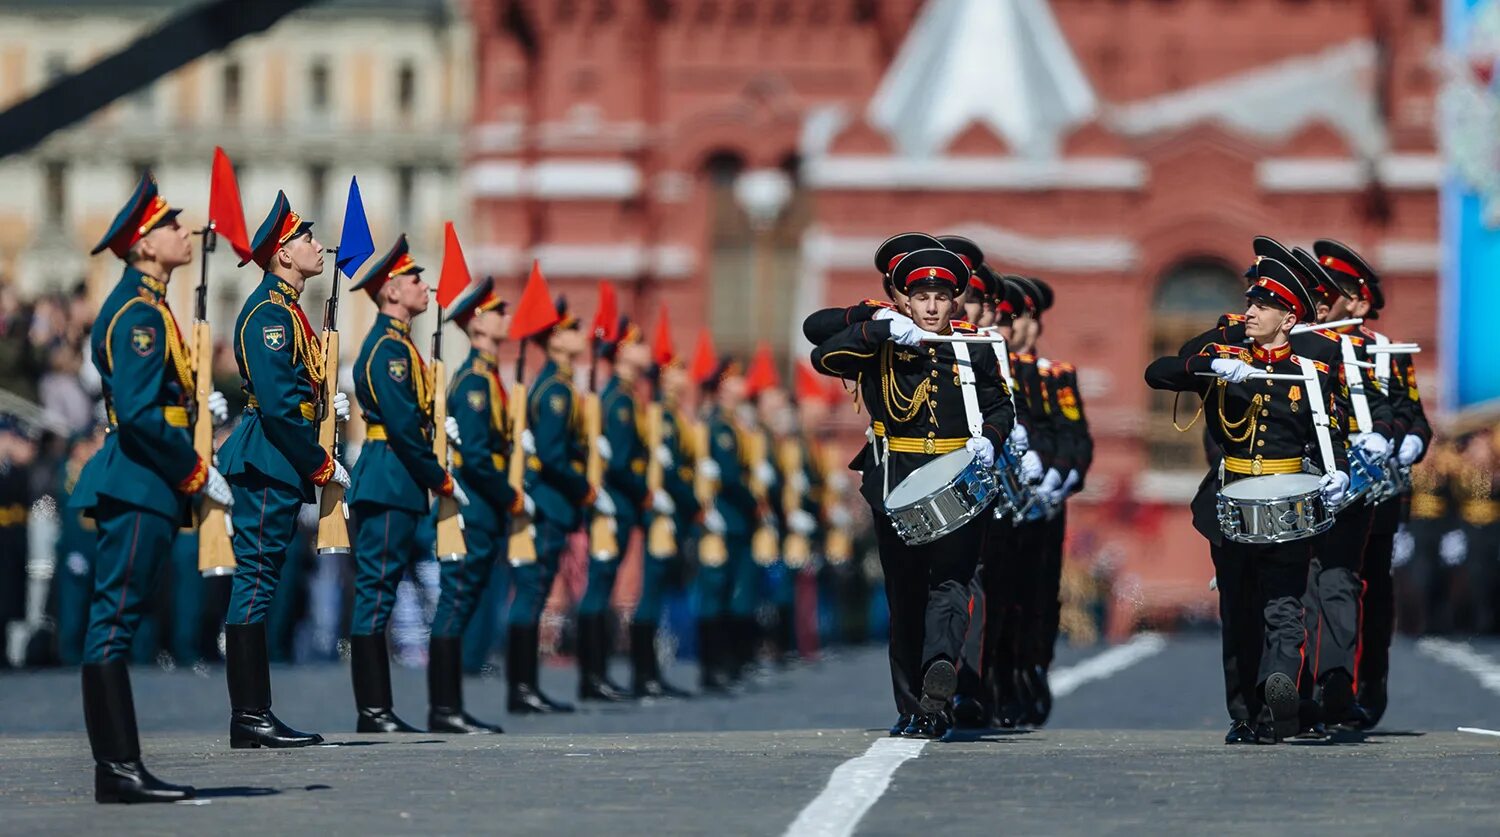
{"points": [[1255, 467], [929, 446]]}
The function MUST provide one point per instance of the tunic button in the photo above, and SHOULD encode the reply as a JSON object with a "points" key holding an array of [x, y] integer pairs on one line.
{"points": [[1260, 443], [1262, 428], [934, 373]]}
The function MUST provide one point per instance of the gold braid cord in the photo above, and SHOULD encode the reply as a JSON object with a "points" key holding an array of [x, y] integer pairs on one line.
{"points": [[1180, 429], [1249, 418], [898, 406], [176, 353], [309, 350]]}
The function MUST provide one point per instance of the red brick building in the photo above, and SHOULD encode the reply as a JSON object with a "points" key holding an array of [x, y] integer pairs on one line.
{"points": [[738, 160]]}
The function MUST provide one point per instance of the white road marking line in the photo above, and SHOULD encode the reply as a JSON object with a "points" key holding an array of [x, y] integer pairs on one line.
{"points": [[857, 784], [1461, 655], [1480, 731], [853, 788], [1067, 680]]}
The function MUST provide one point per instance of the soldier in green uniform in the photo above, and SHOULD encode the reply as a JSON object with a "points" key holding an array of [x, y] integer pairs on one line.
{"points": [[138, 486], [393, 477], [272, 460], [677, 482], [479, 404], [555, 480]]}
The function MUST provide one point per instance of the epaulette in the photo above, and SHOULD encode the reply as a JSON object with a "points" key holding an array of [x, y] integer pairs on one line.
{"points": [[277, 298], [965, 327], [878, 303], [1225, 349], [1066, 367], [1318, 364], [1231, 319], [1327, 333], [394, 334], [1025, 358]]}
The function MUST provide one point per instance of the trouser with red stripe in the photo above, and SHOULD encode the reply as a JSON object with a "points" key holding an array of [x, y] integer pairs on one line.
{"points": [[134, 545], [1377, 622], [1333, 594], [384, 546], [265, 521], [1260, 609]]}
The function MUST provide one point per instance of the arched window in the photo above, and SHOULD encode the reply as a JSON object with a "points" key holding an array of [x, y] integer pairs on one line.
{"points": [[1190, 298]]}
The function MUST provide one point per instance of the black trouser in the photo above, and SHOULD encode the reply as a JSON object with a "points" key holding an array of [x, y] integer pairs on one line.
{"points": [[1013, 565], [1333, 594], [1260, 607], [1474, 585], [1377, 622], [1043, 606], [927, 589], [1421, 583]]}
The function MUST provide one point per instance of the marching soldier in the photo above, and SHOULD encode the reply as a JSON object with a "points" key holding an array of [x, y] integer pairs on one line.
{"points": [[273, 461], [478, 402], [928, 585], [138, 486], [556, 481], [393, 477], [1262, 427]]}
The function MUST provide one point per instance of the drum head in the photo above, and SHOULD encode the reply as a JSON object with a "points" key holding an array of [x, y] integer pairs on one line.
{"points": [[934, 476], [1270, 487]]}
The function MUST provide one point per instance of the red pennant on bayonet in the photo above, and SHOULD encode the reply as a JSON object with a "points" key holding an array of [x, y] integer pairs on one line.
{"points": [[455, 276], [662, 350], [704, 360], [607, 320], [762, 373], [536, 312], [225, 212]]}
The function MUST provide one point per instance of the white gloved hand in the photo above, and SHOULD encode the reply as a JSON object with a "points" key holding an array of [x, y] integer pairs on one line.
{"points": [[1374, 445], [1232, 370], [1020, 439], [840, 517], [904, 331], [983, 450], [340, 406], [1334, 486], [450, 427], [664, 456], [528, 442], [887, 313], [1050, 484], [459, 496], [1411, 450], [709, 469], [1031, 467], [528, 505], [661, 503], [1403, 546], [218, 408], [605, 449], [1453, 548], [798, 482], [340, 474], [1070, 484], [713, 521], [604, 504], [764, 473], [216, 488], [802, 522]]}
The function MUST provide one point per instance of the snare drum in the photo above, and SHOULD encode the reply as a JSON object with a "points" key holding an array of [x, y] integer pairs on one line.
{"points": [[1368, 479], [1278, 508], [940, 497]]}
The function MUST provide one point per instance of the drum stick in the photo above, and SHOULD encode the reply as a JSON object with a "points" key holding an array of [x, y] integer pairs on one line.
{"points": [[1261, 376], [1394, 349], [1306, 327], [960, 338]]}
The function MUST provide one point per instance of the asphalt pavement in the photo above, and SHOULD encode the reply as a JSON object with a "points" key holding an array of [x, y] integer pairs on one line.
{"points": [[1134, 748]]}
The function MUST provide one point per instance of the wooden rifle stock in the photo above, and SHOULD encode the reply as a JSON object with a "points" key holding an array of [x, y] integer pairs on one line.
{"points": [[764, 544], [333, 524], [215, 553], [661, 536], [838, 545], [450, 525], [604, 542], [522, 544], [712, 552], [796, 549]]}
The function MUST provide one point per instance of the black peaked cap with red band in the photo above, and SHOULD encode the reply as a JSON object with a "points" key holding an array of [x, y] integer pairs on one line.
{"points": [[970, 253], [1279, 285], [934, 267], [1344, 264], [1037, 300], [1319, 280], [892, 249], [1017, 296], [994, 287], [1319, 285]]}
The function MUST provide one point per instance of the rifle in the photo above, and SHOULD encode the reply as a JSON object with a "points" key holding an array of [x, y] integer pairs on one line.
{"points": [[522, 548], [764, 542], [215, 553], [797, 547], [661, 536], [450, 526], [712, 551], [604, 542], [333, 526]]}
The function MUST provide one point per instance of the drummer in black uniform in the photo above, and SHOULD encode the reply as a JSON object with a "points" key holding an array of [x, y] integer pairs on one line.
{"points": [[918, 414], [1263, 426]]}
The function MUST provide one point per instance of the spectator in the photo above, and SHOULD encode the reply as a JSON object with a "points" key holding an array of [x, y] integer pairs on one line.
{"points": [[61, 389]]}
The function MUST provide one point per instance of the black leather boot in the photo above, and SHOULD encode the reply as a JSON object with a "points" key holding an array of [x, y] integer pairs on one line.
{"points": [[592, 684], [711, 676], [524, 696], [939, 682], [1041, 695], [445, 696], [370, 668], [109, 715], [604, 651], [647, 679], [252, 724]]}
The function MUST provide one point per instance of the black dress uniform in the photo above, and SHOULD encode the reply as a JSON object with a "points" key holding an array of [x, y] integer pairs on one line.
{"points": [[1262, 427], [917, 413]]}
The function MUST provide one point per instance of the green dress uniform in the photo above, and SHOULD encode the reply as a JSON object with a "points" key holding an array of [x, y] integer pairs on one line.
{"points": [[273, 463], [478, 402], [136, 489], [390, 488], [73, 575], [720, 628]]}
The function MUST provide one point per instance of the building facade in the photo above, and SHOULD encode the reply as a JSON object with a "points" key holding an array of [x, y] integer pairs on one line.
{"points": [[738, 161]]}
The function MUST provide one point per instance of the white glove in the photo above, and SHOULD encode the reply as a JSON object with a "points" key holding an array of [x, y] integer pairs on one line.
{"points": [[1403, 546], [661, 503], [1031, 467], [218, 408], [1453, 548], [450, 427], [798, 482], [216, 488], [1411, 450], [1019, 438], [340, 406], [983, 450], [606, 450], [1071, 483], [528, 442], [709, 469], [887, 313], [714, 522], [528, 505], [1374, 445], [340, 474], [840, 517], [664, 456], [764, 473], [802, 522], [904, 330], [1050, 484], [1231, 370], [1334, 486], [459, 496], [604, 504]]}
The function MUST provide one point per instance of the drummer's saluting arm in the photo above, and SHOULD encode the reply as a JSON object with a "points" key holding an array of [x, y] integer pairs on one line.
{"points": [[821, 325], [1180, 373]]}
